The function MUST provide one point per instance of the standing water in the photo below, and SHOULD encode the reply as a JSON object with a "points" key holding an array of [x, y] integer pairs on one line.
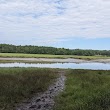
{"points": [[90, 65]]}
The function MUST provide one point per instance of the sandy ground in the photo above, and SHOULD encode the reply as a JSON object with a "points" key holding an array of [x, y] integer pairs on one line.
{"points": [[69, 60], [45, 101]]}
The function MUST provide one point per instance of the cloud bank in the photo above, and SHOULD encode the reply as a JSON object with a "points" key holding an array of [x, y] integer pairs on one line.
{"points": [[47, 21]]}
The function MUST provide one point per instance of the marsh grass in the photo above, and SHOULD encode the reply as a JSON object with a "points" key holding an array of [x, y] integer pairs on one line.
{"points": [[21, 55], [17, 84], [85, 90]]}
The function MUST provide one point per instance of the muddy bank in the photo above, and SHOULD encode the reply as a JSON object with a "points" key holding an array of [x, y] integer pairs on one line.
{"points": [[45, 101], [101, 60], [69, 60]]}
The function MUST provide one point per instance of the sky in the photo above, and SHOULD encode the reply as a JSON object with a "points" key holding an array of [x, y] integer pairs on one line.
{"points": [[71, 24]]}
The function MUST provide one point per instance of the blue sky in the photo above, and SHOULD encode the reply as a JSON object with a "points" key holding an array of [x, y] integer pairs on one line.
{"points": [[82, 43], [60, 23]]}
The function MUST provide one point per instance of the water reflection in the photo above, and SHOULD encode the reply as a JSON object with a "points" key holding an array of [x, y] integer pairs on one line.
{"points": [[93, 65]]}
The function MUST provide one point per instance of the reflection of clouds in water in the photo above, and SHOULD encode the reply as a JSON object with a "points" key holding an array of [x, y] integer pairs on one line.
{"points": [[94, 66]]}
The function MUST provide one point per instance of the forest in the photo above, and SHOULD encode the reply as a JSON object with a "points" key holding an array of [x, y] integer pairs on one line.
{"points": [[29, 49]]}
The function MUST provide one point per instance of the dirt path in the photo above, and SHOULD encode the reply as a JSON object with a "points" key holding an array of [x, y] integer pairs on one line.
{"points": [[45, 101]]}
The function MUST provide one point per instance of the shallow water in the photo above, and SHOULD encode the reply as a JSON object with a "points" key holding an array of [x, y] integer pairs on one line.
{"points": [[92, 65]]}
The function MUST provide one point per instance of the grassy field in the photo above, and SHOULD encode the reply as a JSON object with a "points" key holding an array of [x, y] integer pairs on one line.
{"points": [[85, 90], [17, 84], [19, 55]]}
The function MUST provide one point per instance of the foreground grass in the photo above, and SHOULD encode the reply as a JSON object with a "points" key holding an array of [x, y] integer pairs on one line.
{"points": [[19, 55], [17, 84], [85, 90]]}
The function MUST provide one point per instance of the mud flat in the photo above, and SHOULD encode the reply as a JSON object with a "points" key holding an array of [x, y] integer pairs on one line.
{"points": [[52, 60], [102, 60], [45, 101], [69, 60]]}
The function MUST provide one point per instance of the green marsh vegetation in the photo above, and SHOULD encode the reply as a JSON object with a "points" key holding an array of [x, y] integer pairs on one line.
{"points": [[21, 55], [85, 90], [17, 84]]}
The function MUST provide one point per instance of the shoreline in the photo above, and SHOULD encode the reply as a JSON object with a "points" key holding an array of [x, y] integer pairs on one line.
{"points": [[53, 60]]}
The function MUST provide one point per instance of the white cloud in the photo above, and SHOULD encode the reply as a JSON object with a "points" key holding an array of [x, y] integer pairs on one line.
{"points": [[54, 19]]}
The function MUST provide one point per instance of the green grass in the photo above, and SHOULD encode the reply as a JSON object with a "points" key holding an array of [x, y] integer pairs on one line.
{"points": [[17, 84], [85, 90], [19, 55]]}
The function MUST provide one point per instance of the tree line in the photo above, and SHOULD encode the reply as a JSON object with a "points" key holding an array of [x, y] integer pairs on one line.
{"points": [[29, 49]]}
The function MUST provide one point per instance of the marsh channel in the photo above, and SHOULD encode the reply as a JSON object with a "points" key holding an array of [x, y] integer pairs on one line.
{"points": [[99, 64]]}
